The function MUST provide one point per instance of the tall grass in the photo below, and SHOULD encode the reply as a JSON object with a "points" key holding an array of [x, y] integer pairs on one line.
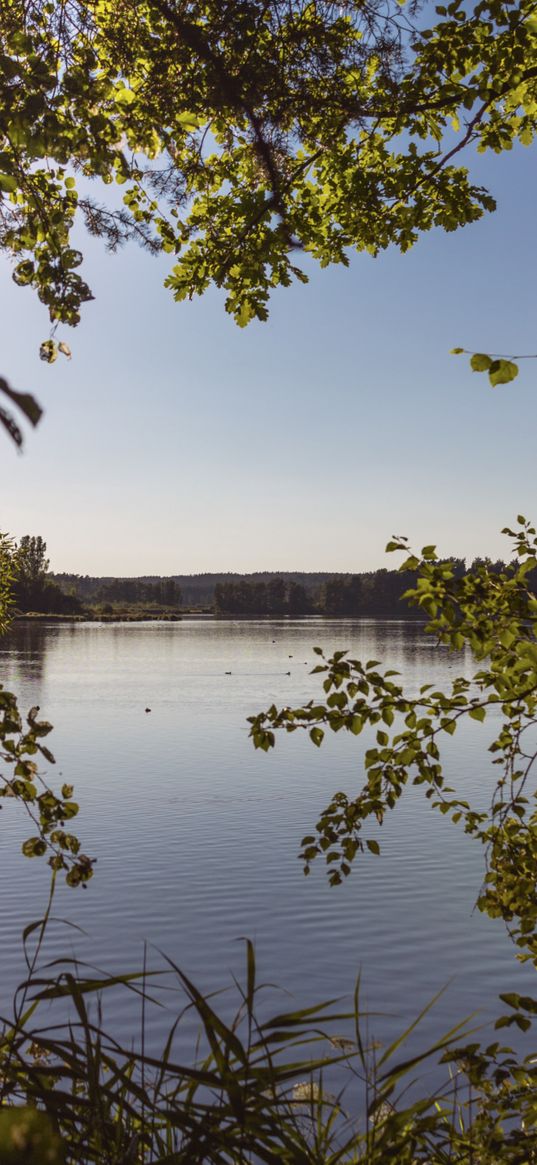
{"points": [[296, 1086]]}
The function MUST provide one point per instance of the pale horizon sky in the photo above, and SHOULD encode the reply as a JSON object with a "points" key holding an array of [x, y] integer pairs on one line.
{"points": [[175, 443]]}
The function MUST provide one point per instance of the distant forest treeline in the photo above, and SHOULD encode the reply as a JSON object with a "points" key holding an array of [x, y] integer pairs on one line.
{"points": [[372, 594], [165, 592], [369, 594], [196, 590]]}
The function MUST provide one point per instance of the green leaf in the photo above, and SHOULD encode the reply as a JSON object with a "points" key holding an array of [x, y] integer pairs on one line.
{"points": [[189, 121], [124, 96], [8, 184], [502, 372], [480, 362], [69, 809], [456, 351], [48, 351], [244, 314], [317, 736], [373, 846], [511, 998], [410, 563], [23, 273], [35, 847]]}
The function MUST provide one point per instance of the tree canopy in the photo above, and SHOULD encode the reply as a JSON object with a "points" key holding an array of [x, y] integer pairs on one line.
{"points": [[242, 134]]}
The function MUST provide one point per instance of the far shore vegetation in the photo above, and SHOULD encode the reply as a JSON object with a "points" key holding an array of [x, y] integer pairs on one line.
{"points": [[381, 594]]}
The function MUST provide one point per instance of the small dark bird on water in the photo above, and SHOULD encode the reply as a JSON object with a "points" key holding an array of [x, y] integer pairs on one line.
{"points": [[227, 673], [148, 709], [288, 673]]}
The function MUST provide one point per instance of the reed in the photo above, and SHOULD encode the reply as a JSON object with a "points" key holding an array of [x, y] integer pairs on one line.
{"points": [[296, 1086]]}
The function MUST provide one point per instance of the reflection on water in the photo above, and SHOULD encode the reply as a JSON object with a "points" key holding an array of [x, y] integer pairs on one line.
{"points": [[196, 835], [24, 658]]}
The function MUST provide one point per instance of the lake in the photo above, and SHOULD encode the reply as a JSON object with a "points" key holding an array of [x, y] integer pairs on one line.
{"points": [[196, 834]]}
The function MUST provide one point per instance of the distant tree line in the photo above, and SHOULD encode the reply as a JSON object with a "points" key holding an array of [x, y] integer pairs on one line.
{"points": [[275, 598], [32, 589], [376, 594], [369, 594], [160, 592], [165, 592], [197, 590]]}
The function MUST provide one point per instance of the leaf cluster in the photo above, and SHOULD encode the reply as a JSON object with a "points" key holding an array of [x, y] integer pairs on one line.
{"points": [[500, 369], [20, 748]]}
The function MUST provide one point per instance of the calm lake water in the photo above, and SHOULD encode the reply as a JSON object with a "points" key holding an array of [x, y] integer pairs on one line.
{"points": [[196, 834]]}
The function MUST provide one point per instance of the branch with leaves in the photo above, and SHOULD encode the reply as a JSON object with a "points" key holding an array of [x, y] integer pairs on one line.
{"points": [[19, 747], [495, 615], [243, 134], [501, 369]]}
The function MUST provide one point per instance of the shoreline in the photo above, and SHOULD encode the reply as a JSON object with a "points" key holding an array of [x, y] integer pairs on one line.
{"points": [[56, 617], [41, 617]]}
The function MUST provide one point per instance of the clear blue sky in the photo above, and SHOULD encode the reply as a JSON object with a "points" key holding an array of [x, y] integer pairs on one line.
{"points": [[174, 442]]}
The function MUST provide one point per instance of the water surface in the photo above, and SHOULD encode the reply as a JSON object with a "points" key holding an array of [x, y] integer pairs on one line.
{"points": [[196, 834]]}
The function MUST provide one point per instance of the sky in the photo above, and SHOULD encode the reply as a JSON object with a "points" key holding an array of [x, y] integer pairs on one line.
{"points": [[174, 442]]}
